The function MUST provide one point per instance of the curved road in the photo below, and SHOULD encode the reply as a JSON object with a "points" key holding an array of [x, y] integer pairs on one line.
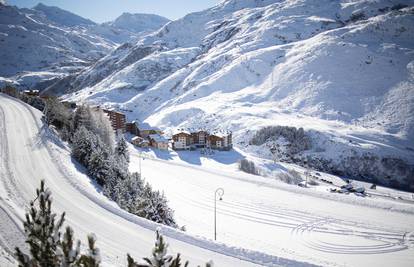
{"points": [[29, 152]]}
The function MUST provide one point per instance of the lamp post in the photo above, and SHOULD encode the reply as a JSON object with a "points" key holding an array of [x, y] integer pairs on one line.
{"points": [[219, 192]]}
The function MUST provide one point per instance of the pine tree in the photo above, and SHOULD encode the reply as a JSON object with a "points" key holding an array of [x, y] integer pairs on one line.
{"points": [[82, 117], [67, 251], [101, 126], [99, 164], [129, 191], [122, 149], [46, 246], [42, 232], [153, 206], [83, 144], [56, 113], [93, 257], [159, 256]]}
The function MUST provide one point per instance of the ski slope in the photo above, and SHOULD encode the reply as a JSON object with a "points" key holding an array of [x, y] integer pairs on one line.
{"points": [[307, 224], [29, 151]]}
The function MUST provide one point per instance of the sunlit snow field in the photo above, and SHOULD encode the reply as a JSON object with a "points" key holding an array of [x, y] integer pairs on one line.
{"points": [[265, 214]]}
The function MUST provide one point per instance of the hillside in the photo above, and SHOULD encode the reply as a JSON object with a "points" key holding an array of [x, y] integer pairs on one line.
{"points": [[62, 17], [344, 68], [44, 44], [33, 48], [138, 23], [126, 28], [36, 153]]}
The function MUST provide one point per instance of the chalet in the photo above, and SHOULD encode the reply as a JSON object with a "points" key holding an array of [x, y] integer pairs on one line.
{"points": [[199, 138], [117, 120], [145, 130], [34, 93], [139, 141], [132, 127], [182, 140], [220, 140], [158, 141]]}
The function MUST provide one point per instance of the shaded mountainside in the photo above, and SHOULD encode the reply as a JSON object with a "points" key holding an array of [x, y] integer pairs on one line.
{"points": [[339, 66], [29, 42], [127, 27], [45, 44]]}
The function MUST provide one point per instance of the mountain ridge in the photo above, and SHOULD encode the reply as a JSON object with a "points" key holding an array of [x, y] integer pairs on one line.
{"points": [[64, 42], [346, 66]]}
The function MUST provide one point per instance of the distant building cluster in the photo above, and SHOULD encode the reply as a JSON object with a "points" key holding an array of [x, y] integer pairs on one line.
{"points": [[146, 136], [192, 139]]}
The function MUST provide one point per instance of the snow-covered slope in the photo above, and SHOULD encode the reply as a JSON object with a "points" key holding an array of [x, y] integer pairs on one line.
{"points": [[286, 220], [129, 27], [126, 28], [62, 17], [30, 152], [44, 44], [341, 67], [138, 22], [29, 42]]}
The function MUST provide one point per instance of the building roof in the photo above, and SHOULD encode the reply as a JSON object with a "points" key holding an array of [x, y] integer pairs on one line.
{"points": [[136, 138], [143, 126], [221, 134], [158, 138], [178, 131], [113, 111]]}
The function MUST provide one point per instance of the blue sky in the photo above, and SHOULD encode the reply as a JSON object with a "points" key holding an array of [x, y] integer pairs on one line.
{"points": [[106, 10]]}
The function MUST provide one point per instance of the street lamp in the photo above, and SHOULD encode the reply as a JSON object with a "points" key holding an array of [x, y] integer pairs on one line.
{"points": [[219, 192]]}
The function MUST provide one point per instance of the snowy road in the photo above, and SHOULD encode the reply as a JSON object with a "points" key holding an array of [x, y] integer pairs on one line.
{"points": [[262, 214], [29, 152]]}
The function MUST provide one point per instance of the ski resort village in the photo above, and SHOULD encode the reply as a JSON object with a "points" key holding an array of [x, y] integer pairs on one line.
{"points": [[214, 133]]}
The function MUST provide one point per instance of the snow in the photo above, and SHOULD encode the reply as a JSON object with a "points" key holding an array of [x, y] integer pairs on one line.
{"points": [[32, 152], [158, 138], [242, 65], [139, 23], [30, 42], [63, 43], [308, 224], [62, 17]]}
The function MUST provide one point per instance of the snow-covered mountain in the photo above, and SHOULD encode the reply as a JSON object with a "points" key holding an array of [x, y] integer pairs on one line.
{"points": [[128, 27], [33, 48], [62, 17], [138, 22], [125, 28], [344, 67], [340, 67], [44, 44]]}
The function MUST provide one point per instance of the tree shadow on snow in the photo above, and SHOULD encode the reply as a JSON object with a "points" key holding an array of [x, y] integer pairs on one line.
{"points": [[46, 135], [163, 154], [224, 157], [81, 169]]}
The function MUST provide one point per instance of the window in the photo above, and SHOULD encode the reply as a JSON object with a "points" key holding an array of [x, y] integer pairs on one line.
{"points": [[218, 143], [182, 139]]}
